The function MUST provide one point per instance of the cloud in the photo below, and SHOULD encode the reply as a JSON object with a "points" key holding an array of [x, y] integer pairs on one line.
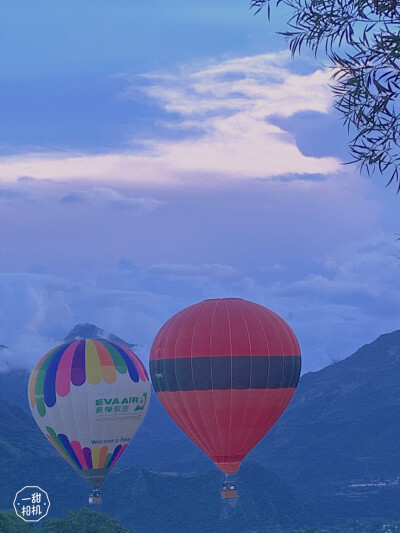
{"points": [[261, 85], [190, 269], [275, 267], [109, 197], [40, 191], [347, 298], [192, 272], [128, 265], [28, 189], [33, 182], [347, 275], [222, 113], [10, 194], [37, 311]]}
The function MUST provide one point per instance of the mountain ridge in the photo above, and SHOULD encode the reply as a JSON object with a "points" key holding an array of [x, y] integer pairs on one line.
{"points": [[90, 331], [185, 502], [335, 445]]}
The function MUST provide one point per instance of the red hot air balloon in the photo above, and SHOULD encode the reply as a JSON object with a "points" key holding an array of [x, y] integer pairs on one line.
{"points": [[225, 370]]}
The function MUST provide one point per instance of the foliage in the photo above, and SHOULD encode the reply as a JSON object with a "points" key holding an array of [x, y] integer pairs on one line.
{"points": [[362, 40], [84, 521], [364, 526], [11, 523]]}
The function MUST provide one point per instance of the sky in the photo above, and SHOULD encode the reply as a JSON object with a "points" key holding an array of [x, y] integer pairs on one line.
{"points": [[155, 155]]}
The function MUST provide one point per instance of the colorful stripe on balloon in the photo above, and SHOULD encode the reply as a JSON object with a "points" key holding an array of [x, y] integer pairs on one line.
{"points": [[78, 362], [84, 458]]}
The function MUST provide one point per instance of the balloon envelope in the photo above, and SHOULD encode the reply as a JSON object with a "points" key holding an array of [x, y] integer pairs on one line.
{"points": [[89, 398], [225, 370]]}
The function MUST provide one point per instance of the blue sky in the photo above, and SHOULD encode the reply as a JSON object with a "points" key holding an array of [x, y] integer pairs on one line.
{"points": [[154, 156]]}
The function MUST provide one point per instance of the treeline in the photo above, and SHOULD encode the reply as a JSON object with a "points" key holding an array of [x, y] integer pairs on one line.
{"points": [[361, 526], [87, 521], [82, 521]]}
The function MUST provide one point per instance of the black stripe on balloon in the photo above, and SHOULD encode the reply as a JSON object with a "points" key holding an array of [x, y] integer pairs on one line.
{"points": [[224, 372]]}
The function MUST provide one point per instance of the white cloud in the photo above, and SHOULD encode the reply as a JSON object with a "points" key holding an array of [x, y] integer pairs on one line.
{"points": [[101, 196], [37, 311], [28, 189], [350, 299], [190, 272], [228, 103], [261, 85], [367, 271]]}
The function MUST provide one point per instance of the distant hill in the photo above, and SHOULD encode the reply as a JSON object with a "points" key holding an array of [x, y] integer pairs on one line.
{"points": [[27, 458], [184, 501], [338, 441], [363, 526], [336, 446], [145, 500], [14, 387], [90, 331], [191, 502]]}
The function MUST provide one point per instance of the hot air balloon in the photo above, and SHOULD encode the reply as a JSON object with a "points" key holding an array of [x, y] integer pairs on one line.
{"points": [[89, 398], [225, 370]]}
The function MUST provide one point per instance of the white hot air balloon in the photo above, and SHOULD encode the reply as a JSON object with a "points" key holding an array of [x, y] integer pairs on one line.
{"points": [[89, 398]]}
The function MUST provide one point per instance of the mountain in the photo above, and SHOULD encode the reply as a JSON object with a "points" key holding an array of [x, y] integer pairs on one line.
{"points": [[27, 458], [191, 502], [142, 499], [336, 446], [185, 501], [90, 331], [14, 387], [337, 442]]}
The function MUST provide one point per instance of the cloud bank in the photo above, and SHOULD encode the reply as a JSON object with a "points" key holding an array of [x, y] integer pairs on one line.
{"points": [[220, 120], [334, 309], [102, 196]]}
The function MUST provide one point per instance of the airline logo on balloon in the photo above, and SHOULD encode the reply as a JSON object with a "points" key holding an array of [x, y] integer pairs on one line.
{"points": [[119, 406]]}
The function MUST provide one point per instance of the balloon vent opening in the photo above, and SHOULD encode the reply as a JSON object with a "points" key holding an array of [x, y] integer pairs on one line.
{"points": [[229, 468]]}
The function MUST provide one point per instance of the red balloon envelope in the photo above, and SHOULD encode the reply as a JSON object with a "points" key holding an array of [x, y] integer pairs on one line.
{"points": [[225, 370]]}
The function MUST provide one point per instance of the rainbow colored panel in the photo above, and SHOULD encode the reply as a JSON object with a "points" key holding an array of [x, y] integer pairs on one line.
{"points": [[84, 458], [78, 362]]}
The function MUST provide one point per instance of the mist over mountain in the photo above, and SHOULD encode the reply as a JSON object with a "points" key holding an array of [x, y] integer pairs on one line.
{"points": [[14, 382], [90, 331]]}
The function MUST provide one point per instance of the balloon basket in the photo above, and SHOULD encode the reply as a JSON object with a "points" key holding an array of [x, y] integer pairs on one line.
{"points": [[229, 491], [95, 497]]}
